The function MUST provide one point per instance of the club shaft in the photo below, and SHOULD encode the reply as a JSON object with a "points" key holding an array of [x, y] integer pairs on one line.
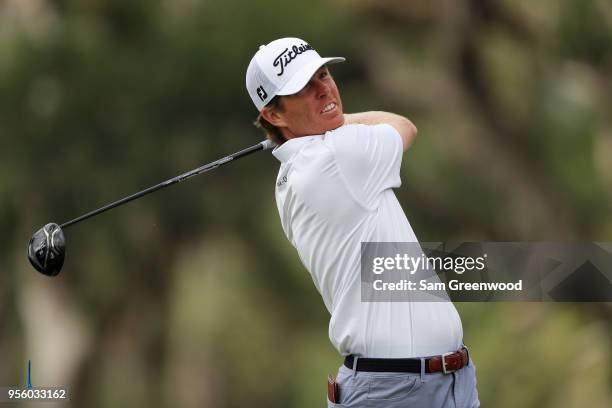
{"points": [[202, 169]]}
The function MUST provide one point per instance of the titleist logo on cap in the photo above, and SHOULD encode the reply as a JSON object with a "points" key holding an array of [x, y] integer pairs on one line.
{"points": [[284, 58]]}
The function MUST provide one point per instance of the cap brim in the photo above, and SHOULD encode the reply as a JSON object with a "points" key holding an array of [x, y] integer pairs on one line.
{"points": [[301, 78]]}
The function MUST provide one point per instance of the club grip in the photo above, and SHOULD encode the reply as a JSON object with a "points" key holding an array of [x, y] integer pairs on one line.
{"points": [[268, 144]]}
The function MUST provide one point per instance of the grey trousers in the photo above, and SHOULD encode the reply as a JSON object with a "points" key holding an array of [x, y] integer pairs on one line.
{"points": [[393, 390]]}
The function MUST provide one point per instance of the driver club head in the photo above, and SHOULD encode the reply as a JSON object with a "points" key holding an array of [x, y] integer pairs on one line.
{"points": [[46, 249]]}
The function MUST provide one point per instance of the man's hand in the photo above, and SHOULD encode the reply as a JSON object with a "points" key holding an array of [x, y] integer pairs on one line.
{"points": [[404, 127]]}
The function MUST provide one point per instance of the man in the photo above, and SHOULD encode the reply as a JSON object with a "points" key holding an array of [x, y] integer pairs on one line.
{"points": [[334, 191]]}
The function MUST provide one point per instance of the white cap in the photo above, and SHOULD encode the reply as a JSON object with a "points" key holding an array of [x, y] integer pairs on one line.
{"points": [[282, 67]]}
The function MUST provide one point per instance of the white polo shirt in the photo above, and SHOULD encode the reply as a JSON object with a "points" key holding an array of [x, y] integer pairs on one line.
{"points": [[333, 192]]}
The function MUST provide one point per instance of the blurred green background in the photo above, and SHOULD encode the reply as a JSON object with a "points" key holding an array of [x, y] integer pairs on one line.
{"points": [[192, 297]]}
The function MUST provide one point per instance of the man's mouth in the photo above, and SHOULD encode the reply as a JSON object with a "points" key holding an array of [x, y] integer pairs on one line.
{"points": [[329, 107]]}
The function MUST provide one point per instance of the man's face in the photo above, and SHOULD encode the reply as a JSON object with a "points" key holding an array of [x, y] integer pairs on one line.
{"points": [[314, 110]]}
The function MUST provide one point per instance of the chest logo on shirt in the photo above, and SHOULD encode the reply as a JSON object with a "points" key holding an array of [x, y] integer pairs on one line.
{"points": [[282, 181]]}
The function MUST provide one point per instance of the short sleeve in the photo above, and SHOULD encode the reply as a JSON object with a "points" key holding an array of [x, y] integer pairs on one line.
{"points": [[369, 159]]}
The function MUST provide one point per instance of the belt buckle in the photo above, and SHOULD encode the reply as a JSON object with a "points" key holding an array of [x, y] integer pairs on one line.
{"points": [[444, 370]]}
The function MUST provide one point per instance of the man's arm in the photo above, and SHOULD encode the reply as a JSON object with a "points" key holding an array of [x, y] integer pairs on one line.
{"points": [[404, 127]]}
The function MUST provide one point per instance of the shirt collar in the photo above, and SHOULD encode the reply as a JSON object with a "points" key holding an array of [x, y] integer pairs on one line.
{"points": [[285, 151]]}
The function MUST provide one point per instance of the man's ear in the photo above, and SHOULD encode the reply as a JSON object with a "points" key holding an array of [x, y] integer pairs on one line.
{"points": [[272, 116]]}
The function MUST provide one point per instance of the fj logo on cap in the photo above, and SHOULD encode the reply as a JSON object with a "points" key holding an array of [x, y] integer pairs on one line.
{"points": [[261, 92], [284, 58]]}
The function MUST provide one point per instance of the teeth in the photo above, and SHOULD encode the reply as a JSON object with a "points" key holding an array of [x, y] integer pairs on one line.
{"points": [[329, 107]]}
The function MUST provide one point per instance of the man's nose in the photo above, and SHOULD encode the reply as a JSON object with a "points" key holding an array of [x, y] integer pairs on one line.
{"points": [[322, 88]]}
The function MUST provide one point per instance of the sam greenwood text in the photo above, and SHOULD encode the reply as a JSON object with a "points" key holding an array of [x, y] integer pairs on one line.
{"points": [[454, 285]]}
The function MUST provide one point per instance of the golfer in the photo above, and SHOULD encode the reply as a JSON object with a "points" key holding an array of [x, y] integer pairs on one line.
{"points": [[333, 192]]}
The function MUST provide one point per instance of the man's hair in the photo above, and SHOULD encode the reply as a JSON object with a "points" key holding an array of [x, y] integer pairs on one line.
{"points": [[272, 132]]}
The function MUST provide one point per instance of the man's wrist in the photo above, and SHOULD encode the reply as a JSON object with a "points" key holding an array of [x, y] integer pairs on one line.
{"points": [[350, 118], [366, 118], [363, 118]]}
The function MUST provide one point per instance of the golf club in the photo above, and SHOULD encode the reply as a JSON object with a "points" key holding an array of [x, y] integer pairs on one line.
{"points": [[47, 247]]}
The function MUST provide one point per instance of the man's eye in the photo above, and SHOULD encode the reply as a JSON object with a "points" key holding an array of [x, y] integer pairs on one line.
{"points": [[324, 75]]}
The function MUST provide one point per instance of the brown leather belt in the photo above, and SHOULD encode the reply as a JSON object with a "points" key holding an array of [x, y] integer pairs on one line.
{"points": [[446, 363]]}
